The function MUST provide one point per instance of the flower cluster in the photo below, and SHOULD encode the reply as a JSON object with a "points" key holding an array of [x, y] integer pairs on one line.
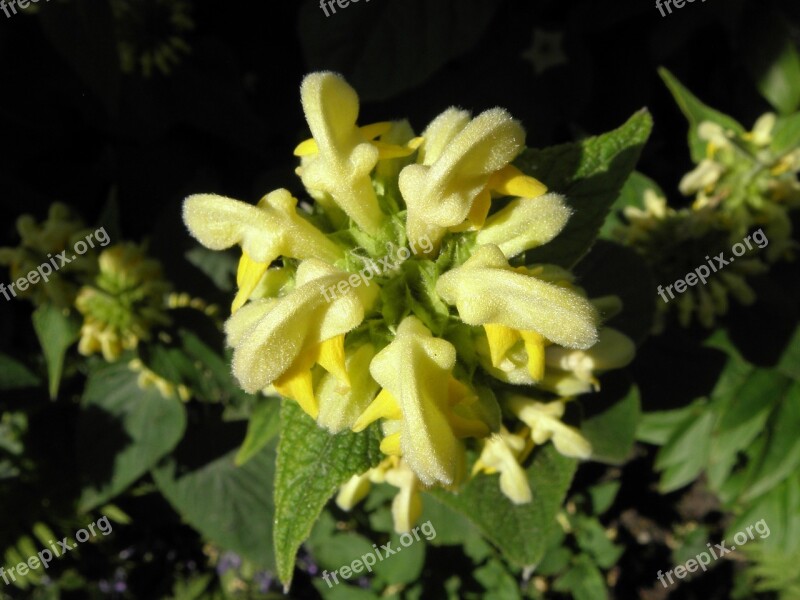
{"points": [[453, 343], [124, 302], [751, 178], [150, 34], [674, 241], [746, 182], [39, 242]]}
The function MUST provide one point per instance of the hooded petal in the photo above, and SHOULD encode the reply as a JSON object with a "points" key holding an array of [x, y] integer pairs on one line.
{"points": [[339, 405], [294, 324], [613, 350], [344, 160], [544, 420], [407, 504], [485, 289], [502, 453], [415, 370], [441, 194], [525, 223], [265, 232]]}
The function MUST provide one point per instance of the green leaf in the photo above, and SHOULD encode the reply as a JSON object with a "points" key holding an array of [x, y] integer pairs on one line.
{"points": [[263, 426], [786, 134], [123, 431], [742, 412], [57, 330], [611, 426], [381, 49], [659, 426], [782, 454], [233, 506], [696, 112], [774, 63], [497, 581], [14, 375], [592, 539], [590, 174], [520, 532], [219, 267], [789, 363], [311, 465], [583, 581], [396, 570], [603, 496], [452, 528], [685, 455]]}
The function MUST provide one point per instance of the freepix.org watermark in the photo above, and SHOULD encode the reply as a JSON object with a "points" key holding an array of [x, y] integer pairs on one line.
{"points": [[702, 273], [44, 270], [45, 557], [21, 4], [368, 560], [661, 4], [373, 269], [327, 5], [702, 560]]}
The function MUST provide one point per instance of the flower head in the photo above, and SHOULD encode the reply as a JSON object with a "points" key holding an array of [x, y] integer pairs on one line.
{"points": [[371, 306]]}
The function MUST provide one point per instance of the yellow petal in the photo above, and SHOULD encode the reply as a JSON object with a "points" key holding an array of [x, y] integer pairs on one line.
{"points": [[501, 340], [544, 420], [373, 130], [502, 452], [353, 492], [383, 407], [415, 369], [265, 232], [440, 132], [525, 223], [534, 346], [248, 275], [332, 358], [297, 384], [390, 445], [295, 323], [344, 160], [510, 181], [387, 151], [442, 193], [486, 290], [407, 504], [340, 407], [306, 148]]}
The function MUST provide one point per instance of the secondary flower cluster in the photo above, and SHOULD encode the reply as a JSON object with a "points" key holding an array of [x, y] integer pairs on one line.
{"points": [[751, 178], [433, 348], [746, 182]]}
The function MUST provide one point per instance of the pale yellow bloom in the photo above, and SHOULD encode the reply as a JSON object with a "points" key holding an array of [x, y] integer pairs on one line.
{"points": [[544, 421]]}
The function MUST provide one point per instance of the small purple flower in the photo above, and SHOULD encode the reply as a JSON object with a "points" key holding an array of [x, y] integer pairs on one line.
{"points": [[263, 580], [228, 560]]}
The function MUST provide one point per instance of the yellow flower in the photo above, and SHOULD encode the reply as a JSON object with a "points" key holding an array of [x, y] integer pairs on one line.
{"points": [[279, 340], [127, 299], [415, 372], [341, 155], [407, 503], [574, 372], [504, 452], [265, 232], [486, 290], [461, 163], [362, 311], [544, 421]]}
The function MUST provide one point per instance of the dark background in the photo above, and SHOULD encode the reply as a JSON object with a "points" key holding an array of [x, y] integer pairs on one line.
{"points": [[77, 130]]}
